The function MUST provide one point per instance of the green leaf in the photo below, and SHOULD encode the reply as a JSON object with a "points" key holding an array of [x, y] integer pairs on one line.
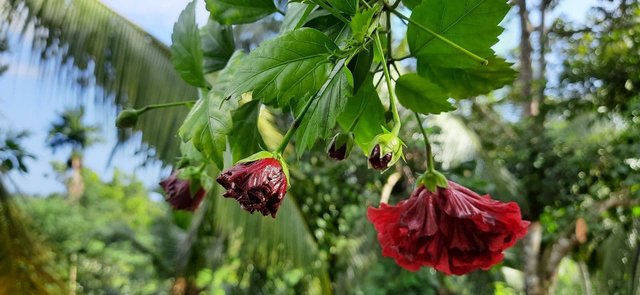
{"points": [[217, 45], [464, 83], [347, 6], [471, 24], [285, 68], [322, 116], [360, 66], [296, 16], [421, 95], [411, 4], [230, 12], [244, 138], [209, 121], [209, 139], [186, 53], [360, 23], [336, 30], [367, 105]]}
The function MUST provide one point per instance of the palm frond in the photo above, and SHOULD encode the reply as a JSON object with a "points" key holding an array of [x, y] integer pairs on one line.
{"points": [[24, 261], [86, 45]]}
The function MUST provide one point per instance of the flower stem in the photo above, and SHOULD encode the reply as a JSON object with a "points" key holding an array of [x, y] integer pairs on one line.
{"points": [[331, 10], [387, 76], [167, 105], [294, 126], [296, 123], [440, 37], [430, 165]]}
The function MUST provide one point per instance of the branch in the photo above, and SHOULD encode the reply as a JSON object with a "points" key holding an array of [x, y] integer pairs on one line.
{"points": [[388, 186], [562, 246]]}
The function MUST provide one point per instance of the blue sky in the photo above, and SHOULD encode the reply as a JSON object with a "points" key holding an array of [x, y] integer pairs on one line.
{"points": [[31, 103]]}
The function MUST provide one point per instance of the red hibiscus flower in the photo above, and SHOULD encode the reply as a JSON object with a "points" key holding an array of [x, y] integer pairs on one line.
{"points": [[179, 193], [258, 185], [453, 230]]}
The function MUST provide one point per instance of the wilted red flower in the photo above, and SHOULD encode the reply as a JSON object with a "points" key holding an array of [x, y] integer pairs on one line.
{"points": [[258, 185], [179, 193], [454, 230]]}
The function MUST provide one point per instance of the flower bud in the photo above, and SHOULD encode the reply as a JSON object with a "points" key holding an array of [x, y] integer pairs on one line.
{"points": [[182, 194], [127, 118], [340, 146], [387, 150]]}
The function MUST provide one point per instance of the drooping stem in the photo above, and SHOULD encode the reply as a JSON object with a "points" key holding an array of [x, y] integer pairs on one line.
{"points": [[167, 105], [387, 76], [430, 165], [440, 37]]}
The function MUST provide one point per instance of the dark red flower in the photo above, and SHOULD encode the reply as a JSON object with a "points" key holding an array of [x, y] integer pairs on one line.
{"points": [[257, 185], [377, 161], [337, 154], [454, 230], [179, 193], [340, 146]]}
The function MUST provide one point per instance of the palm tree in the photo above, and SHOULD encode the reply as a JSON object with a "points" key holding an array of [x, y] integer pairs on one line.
{"points": [[69, 130]]}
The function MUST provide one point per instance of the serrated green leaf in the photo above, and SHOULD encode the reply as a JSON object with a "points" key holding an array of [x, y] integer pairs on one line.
{"points": [[360, 24], [367, 105], [207, 125], [186, 53], [347, 6], [244, 138], [296, 16], [230, 12], [217, 45], [209, 121], [285, 68], [421, 95], [322, 116], [472, 25], [464, 83]]}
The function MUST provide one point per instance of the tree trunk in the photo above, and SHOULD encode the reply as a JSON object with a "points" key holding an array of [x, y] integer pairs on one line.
{"points": [[75, 186], [73, 274], [526, 69], [531, 253]]}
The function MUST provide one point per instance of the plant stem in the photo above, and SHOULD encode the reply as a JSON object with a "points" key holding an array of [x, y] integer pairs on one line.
{"points": [[167, 105], [296, 123], [331, 10], [430, 165], [440, 37], [294, 126], [387, 76]]}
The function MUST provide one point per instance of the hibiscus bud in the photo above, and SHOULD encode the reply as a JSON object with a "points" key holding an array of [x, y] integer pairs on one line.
{"points": [[340, 146], [258, 183], [127, 118], [452, 229], [387, 150], [179, 192]]}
